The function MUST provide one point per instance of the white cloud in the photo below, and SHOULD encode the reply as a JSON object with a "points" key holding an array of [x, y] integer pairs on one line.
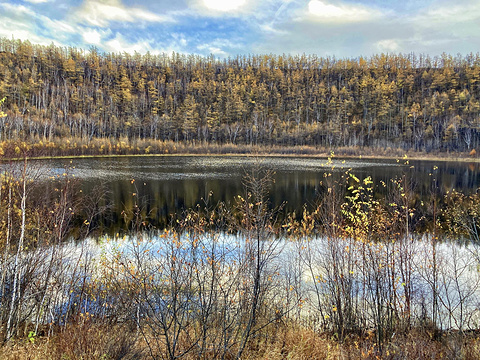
{"points": [[444, 27], [59, 27], [343, 13], [220, 47], [454, 13], [224, 5], [456, 22], [101, 12], [92, 36], [19, 22], [17, 10], [388, 45], [218, 8], [212, 49], [37, 1], [119, 45], [272, 16], [270, 29]]}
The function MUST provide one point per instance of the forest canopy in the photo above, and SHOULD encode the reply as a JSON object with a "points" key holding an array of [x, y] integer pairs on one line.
{"points": [[406, 101]]}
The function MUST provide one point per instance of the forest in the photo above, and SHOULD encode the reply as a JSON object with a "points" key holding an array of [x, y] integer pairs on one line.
{"points": [[74, 101]]}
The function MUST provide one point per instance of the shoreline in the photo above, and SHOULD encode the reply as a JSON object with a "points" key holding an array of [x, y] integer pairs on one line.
{"points": [[78, 148], [319, 155]]}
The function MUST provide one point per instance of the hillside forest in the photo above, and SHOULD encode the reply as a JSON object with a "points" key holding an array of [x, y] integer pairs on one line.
{"points": [[76, 101]]}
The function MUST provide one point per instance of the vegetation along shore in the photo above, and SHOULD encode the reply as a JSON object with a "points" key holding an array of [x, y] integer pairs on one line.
{"points": [[353, 275]]}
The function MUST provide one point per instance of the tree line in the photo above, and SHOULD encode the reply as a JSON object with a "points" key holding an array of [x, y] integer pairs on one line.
{"points": [[406, 101]]}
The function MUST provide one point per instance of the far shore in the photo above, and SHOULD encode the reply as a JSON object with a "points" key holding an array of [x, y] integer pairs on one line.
{"points": [[459, 157], [107, 148]]}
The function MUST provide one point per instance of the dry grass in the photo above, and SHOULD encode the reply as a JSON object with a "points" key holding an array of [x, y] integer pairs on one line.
{"points": [[83, 340], [89, 341], [298, 344], [81, 147], [23, 350]]}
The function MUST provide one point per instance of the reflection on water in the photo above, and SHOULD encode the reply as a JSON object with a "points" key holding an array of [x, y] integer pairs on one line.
{"points": [[454, 294], [168, 184]]}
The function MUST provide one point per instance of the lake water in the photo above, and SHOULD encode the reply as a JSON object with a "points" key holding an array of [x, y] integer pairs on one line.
{"points": [[164, 185]]}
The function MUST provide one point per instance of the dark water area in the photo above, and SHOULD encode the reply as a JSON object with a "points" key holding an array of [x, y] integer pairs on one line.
{"points": [[164, 185]]}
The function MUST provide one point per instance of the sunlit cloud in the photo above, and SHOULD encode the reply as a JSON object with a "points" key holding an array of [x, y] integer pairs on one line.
{"points": [[388, 46], [221, 48], [212, 50], [223, 8], [21, 22], [16, 11], [270, 29], [101, 12], [94, 37], [224, 5], [324, 11], [120, 44], [58, 26]]}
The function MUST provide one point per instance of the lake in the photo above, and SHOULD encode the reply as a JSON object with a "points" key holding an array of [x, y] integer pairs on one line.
{"points": [[164, 185]]}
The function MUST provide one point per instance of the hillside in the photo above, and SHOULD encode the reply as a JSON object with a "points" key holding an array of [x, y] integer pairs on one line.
{"points": [[69, 95]]}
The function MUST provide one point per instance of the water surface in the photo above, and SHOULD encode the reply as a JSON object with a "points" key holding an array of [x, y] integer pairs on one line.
{"points": [[164, 185]]}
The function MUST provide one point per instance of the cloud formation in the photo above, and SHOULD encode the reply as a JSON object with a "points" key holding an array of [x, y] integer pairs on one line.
{"points": [[101, 12], [324, 11], [223, 6], [37, 1], [21, 22], [345, 28]]}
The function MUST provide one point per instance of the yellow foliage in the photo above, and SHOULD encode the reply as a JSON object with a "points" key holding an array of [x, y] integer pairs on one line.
{"points": [[2, 114]]}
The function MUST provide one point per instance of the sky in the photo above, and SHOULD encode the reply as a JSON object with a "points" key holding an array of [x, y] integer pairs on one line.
{"points": [[226, 28]]}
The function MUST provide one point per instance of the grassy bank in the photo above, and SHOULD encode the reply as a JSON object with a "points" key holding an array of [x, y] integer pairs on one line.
{"points": [[86, 340], [61, 148]]}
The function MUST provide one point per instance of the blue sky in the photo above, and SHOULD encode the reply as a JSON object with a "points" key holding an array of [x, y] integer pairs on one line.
{"points": [[230, 27]]}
